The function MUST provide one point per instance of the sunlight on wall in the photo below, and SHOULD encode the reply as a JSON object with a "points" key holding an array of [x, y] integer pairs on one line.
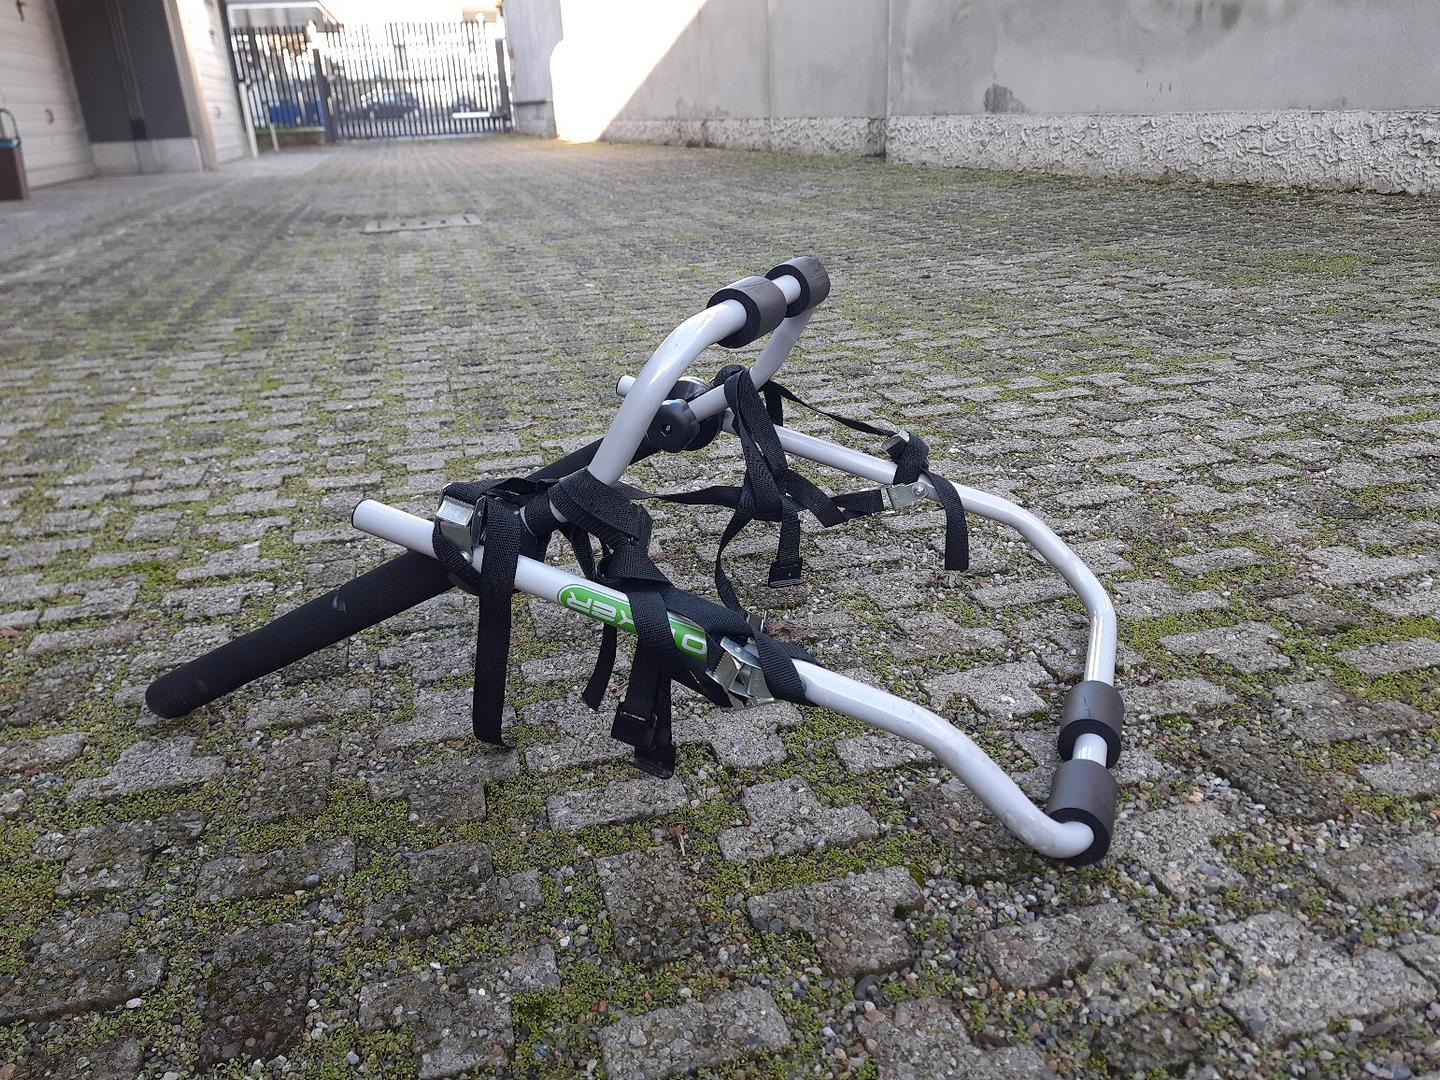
{"points": [[607, 52]]}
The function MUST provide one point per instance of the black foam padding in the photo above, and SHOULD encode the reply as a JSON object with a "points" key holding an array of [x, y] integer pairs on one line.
{"points": [[1085, 791], [764, 306], [1092, 708], [814, 282], [392, 587], [371, 598]]}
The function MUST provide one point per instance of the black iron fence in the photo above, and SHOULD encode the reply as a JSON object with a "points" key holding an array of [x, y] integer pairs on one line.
{"points": [[376, 81]]}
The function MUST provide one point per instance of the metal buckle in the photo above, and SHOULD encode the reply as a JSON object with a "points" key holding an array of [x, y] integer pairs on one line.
{"points": [[900, 496], [459, 523], [738, 674], [900, 438]]}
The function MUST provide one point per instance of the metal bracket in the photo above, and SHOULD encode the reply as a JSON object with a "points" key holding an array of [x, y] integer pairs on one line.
{"points": [[739, 675], [899, 496], [459, 522], [900, 438]]}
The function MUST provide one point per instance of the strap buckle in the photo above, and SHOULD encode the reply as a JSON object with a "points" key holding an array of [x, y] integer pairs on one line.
{"points": [[459, 523], [738, 673], [899, 496], [894, 442]]}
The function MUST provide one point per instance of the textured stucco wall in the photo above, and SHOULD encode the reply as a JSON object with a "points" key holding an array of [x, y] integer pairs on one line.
{"points": [[1160, 56], [1391, 151], [1331, 93]]}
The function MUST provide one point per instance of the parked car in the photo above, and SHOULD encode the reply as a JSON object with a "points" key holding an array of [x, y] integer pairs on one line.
{"points": [[387, 105]]}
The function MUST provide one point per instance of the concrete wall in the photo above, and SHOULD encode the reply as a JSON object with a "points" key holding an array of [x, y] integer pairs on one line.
{"points": [[1342, 93], [532, 31]]}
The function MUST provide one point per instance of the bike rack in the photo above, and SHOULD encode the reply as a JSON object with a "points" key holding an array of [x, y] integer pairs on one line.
{"points": [[1076, 823]]}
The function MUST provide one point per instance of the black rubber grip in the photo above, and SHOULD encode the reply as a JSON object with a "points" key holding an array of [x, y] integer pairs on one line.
{"points": [[814, 282], [1092, 708], [764, 306], [392, 587], [1085, 791]]}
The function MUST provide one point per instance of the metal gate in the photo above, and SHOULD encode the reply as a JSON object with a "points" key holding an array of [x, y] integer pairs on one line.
{"points": [[376, 81]]}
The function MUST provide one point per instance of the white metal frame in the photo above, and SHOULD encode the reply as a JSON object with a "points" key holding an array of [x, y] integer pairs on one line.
{"points": [[643, 395]]}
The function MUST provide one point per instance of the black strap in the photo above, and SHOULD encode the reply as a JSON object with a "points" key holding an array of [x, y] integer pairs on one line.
{"points": [[497, 504], [643, 718], [911, 456]]}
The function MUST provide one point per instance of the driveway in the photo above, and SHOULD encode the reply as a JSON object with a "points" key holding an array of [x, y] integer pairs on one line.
{"points": [[1228, 400]]}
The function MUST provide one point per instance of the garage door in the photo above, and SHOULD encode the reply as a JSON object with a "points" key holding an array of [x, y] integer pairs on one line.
{"points": [[35, 85], [209, 51]]}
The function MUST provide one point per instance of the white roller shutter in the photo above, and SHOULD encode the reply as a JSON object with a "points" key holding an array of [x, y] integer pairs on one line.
{"points": [[35, 85]]}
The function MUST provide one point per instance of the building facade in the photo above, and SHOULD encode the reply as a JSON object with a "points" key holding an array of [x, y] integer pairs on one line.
{"points": [[111, 87]]}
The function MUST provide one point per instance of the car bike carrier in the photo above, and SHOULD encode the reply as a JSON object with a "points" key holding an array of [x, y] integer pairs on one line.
{"points": [[491, 539]]}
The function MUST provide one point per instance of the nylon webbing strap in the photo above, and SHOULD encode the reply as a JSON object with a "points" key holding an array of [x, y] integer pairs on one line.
{"points": [[911, 457], [500, 530]]}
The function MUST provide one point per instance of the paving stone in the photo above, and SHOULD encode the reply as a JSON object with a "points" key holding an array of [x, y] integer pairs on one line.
{"points": [[1274, 778], [697, 1035], [253, 1003], [1423, 954], [78, 967], [921, 1039], [1210, 562], [151, 765], [629, 800], [1424, 603], [1042, 952], [459, 1018], [43, 753], [1346, 566], [1244, 646], [786, 817], [1175, 697], [1266, 942], [1308, 610], [1003, 691], [1318, 711], [929, 634], [1408, 779], [116, 1058], [325, 703], [1153, 598], [1173, 844], [651, 904], [1323, 988], [268, 873], [441, 716], [870, 753], [200, 415], [446, 791], [1146, 1042], [1020, 593], [447, 887], [111, 858], [1383, 871], [1393, 656], [301, 789], [854, 921], [739, 738]]}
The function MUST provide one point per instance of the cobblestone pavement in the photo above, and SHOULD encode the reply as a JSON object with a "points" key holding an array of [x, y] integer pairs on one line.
{"points": [[1226, 399]]}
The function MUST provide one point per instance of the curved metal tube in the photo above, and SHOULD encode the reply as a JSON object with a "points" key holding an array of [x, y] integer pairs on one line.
{"points": [[830, 690], [652, 386]]}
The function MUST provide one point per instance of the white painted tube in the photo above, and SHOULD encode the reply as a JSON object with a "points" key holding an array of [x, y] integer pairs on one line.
{"points": [[825, 688], [652, 386]]}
